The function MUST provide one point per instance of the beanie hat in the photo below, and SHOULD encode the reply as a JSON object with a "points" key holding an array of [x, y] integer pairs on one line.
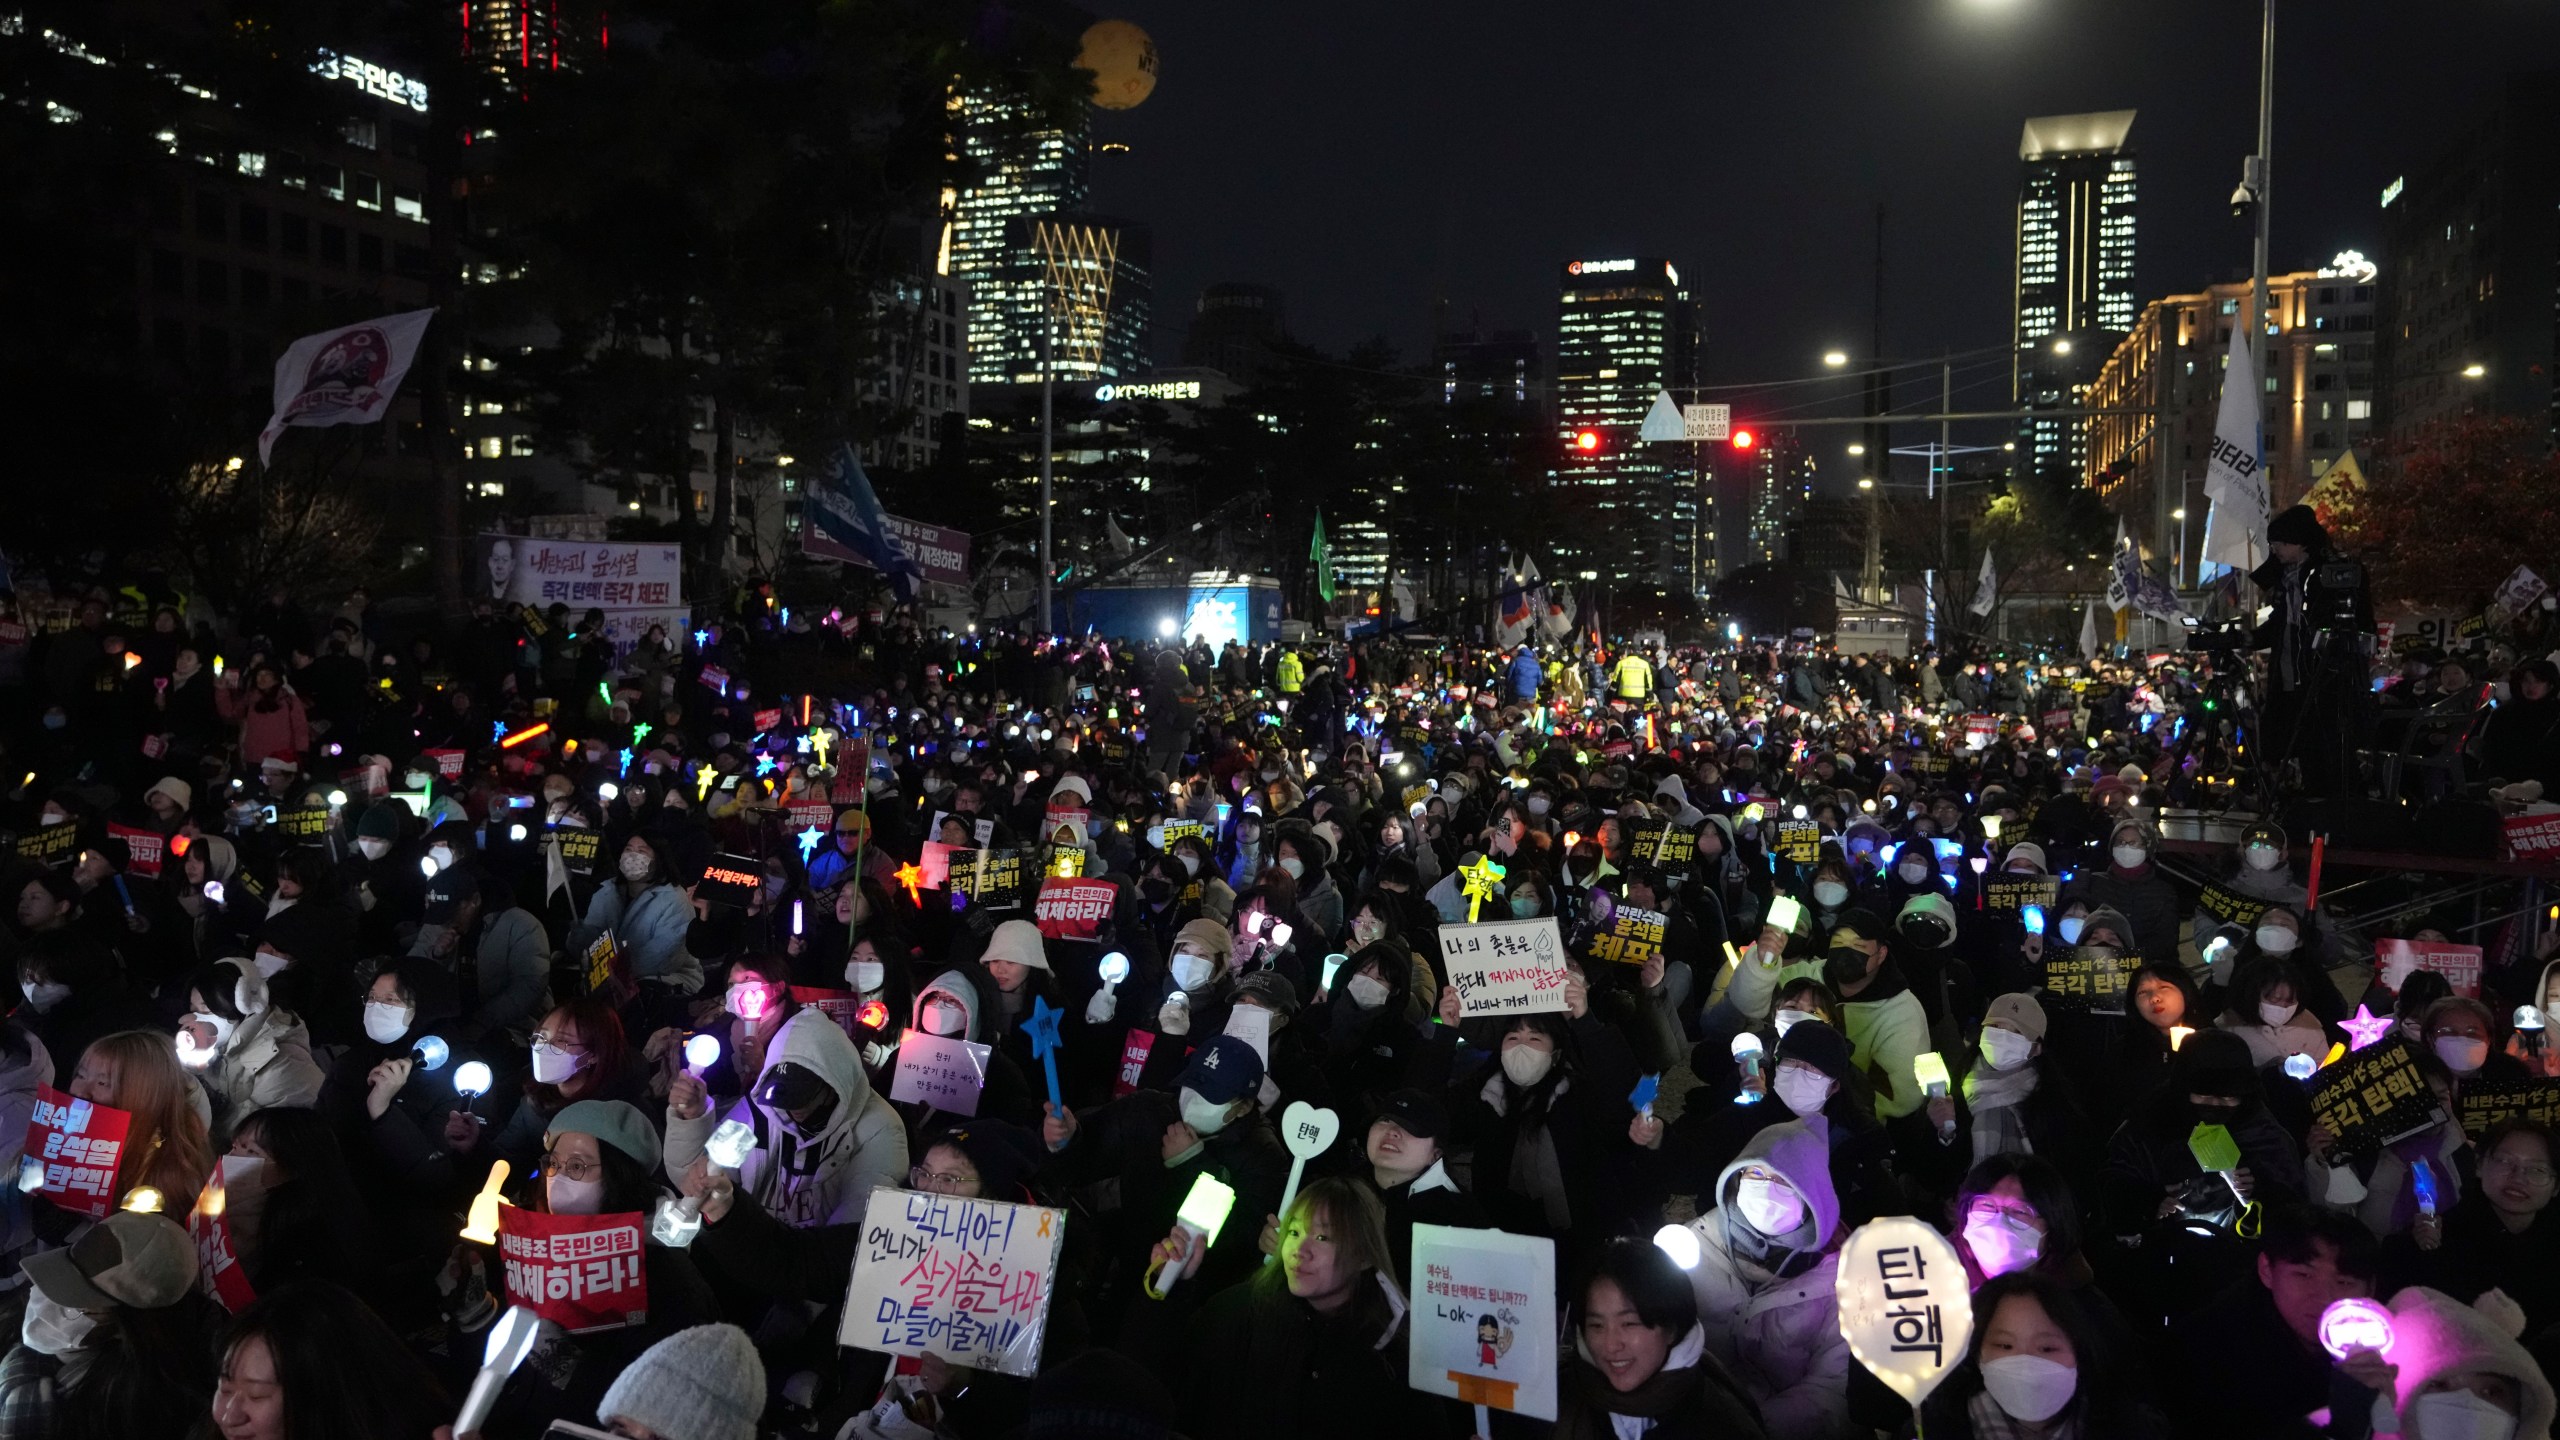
{"points": [[706, 1383], [180, 793], [2022, 1011], [1210, 936], [1816, 1044], [1271, 990], [380, 821], [2214, 1062], [1070, 785], [1004, 1154], [617, 1123], [1860, 923], [2299, 525], [2029, 851], [1019, 942]]}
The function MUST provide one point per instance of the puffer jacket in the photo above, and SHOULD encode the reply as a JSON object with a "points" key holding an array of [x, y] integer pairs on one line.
{"points": [[268, 1063], [650, 929], [821, 1179], [512, 961], [19, 1080], [1778, 1333]]}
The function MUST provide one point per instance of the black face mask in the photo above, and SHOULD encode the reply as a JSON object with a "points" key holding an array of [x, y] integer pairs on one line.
{"points": [[1156, 888], [2215, 1114], [1844, 966]]}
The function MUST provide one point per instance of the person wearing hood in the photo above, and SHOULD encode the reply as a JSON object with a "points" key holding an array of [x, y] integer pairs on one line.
{"points": [[1190, 997], [2156, 1196], [648, 915], [2132, 885], [1369, 1044], [824, 1139], [954, 1007], [1642, 1360], [1306, 857], [306, 950], [71, 989], [204, 870], [1887, 1026], [247, 1053], [2458, 1030], [1768, 1260], [25, 1067], [2040, 1363], [494, 949]]}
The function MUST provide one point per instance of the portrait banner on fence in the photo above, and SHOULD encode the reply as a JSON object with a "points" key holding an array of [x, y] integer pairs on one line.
{"points": [[1505, 967], [968, 1280], [1484, 1306], [79, 1144], [583, 1273]]}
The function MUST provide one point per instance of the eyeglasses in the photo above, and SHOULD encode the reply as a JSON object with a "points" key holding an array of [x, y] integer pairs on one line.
{"points": [[2532, 1172], [1986, 1208], [923, 1179], [558, 1042], [578, 1170]]}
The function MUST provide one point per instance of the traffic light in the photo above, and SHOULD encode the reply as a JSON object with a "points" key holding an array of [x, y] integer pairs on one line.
{"points": [[1587, 441], [1744, 439]]}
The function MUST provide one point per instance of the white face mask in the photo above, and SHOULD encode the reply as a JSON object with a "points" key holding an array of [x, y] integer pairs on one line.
{"points": [[1787, 1020], [1366, 991], [866, 976], [1190, 862], [1295, 868], [2261, 857], [552, 1065], [1913, 872], [2459, 1415], [372, 849], [1803, 1091], [574, 1197], [2271, 1013], [2070, 925], [45, 995], [2002, 1244], [1192, 971], [2129, 856], [1538, 804], [2276, 940], [51, 1329], [442, 855], [634, 865], [1527, 1064], [942, 1017], [2034, 1389], [1202, 1113], [385, 1022], [1768, 1206], [269, 963], [2004, 1049], [1830, 894], [194, 1056], [2461, 1054]]}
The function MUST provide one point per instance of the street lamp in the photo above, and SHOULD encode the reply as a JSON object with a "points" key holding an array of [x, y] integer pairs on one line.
{"points": [[1866, 482], [2474, 370], [2180, 515], [1835, 358], [2062, 347], [1858, 449]]}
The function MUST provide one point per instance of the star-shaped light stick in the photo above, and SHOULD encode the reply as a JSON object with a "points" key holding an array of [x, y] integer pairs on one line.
{"points": [[2365, 1028], [641, 731], [825, 740], [911, 876], [701, 639], [1042, 1027], [703, 778], [764, 764], [497, 730], [626, 759], [809, 839], [1483, 882]]}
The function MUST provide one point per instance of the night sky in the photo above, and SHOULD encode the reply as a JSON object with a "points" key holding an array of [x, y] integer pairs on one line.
{"points": [[1372, 158]]}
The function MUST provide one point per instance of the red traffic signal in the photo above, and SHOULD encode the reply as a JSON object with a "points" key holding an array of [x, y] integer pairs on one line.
{"points": [[1586, 441], [1744, 439]]}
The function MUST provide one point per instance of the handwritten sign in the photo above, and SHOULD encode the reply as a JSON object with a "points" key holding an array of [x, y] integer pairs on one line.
{"points": [[2458, 964], [145, 846], [2533, 837], [992, 879], [1505, 967], [50, 844], [2092, 977], [1074, 909], [940, 1071], [80, 1144], [1484, 1307], [2017, 892], [218, 1268], [968, 1280], [1660, 842], [1800, 841], [2374, 1096], [2486, 1103], [1633, 937], [579, 847], [583, 1273], [1901, 1295]]}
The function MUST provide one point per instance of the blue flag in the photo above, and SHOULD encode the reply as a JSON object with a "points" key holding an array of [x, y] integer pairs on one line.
{"points": [[844, 509]]}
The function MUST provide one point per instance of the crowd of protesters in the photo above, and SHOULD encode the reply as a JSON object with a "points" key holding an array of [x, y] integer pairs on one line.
{"points": [[316, 876]]}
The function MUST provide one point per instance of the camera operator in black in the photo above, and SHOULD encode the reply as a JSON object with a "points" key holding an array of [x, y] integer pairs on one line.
{"points": [[2317, 641]]}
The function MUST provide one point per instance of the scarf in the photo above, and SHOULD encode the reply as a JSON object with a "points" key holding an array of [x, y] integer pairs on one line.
{"points": [[1535, 1171], [1990, 1422], [1672, 1390], [1993, 1097]]}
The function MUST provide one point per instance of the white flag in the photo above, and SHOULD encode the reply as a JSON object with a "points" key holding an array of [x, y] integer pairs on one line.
{"points": [[2119, 588], [2089, 632], [1986, 592], [1117, 538], [1840, 587], [2235, 477], [1555, 609], [345, 376]]}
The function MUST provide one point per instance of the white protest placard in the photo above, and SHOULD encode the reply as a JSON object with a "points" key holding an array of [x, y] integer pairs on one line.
{"points": [[940, 1071], [1505, 967], [1905, 1308], [968, 1280], [1484, 1318], [1252, 1025]]}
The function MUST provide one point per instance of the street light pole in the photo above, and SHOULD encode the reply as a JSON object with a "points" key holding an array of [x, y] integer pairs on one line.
{"points": [[1048, 328], [2262, 164]]}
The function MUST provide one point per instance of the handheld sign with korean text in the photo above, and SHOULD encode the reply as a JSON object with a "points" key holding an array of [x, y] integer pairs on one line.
{"points": [[1308, 1132], [941, 1071], [1800, 841], [730, 880], [1505, 967], [2485, 1103], [1904, 1306], [80, 1145], [2458, 964], [582, 1273], [968, 1280], [1484, 1318], [2374, 1096]]}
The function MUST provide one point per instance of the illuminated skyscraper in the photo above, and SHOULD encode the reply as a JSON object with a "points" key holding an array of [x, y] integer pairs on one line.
{"points": [[2075, 297], [519, 38], [1626, 331], [1025, 172]]}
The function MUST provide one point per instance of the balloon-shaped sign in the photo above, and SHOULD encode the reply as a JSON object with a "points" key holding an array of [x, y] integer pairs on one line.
{"points": [[1123, 62], [1903, 1304]]}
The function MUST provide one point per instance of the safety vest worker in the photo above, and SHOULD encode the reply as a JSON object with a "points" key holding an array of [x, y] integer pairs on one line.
{"points": [[1632, 677], [1293, 672]]}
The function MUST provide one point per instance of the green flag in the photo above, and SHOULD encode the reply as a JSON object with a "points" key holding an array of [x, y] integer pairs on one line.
{"points": [[1322, 555]]}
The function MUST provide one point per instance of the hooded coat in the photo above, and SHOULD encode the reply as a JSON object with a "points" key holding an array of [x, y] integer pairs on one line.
{"points": [[1776, 1327], [824, 1178], [266, 1062], [651, 930], [1005, 1093]]}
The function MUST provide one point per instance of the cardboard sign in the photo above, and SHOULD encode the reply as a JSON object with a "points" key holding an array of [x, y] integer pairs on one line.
{"points": [[716, 678], [842, 1006], [2533, 837], [218, 1271], [1633, 937], [2374, 1096], [2484, 1104], [808, 814], [1484, 1326], [1074, 909], [1800, 841], [448, 762], [1134, 1049], [79, 1144], [731, 880], [940, 1071], [579, 847], [2093, 977], [1660, 842], [968, 1280], [306, 825], [1903, 1304], [604, 962], [582, 1273], [50, 844], [992, 879], [2458, 964], [1980, 731], [1505, 967], [2230, 907], [143, 845], [2017, 892]]}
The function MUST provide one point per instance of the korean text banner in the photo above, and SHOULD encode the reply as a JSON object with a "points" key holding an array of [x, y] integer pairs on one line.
{"points": [[968, 1280], [79, 1144], [581, 1272], [1505, 967], [1484, 1305], [605, 575]]}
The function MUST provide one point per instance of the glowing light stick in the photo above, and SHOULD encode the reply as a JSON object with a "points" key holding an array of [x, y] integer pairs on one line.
{"points": [[1042, 1027], [2356, 1324], [1203, 1214], [1749, 1053], [430, 1052], [510, 1341]]}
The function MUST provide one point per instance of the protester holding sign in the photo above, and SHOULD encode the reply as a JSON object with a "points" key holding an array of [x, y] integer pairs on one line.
{"points": [[2502, 1234], [165, 1144], [647, 914]]}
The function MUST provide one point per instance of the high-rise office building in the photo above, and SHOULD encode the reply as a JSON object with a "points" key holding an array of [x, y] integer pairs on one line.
{"points": [[516, 39], [1776, 484], [1626, 331], [1086, 277], [2075, 297], [1022, 172], [1234, 329], [1501, 365], [2470, 256]]}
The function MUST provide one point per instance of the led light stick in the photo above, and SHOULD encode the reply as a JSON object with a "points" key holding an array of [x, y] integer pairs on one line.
{"points": [[1203, 1214]]}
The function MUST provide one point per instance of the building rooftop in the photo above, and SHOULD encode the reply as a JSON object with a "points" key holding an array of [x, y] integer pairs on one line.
{"points": [[2100, 132]]}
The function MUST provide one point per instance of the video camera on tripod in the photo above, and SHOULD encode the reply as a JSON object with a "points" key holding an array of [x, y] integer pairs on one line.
{"points": [[2222, 636]]}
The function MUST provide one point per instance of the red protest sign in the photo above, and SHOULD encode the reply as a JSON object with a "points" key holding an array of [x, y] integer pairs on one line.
{"points": [[79, 1145], [716, 678], [768, 720], [842, 1006], [1980, 730], [1133, 1061], [810, 813], [217, 1256], [1074, 909], [2458, 964], [2533, 837], [12, 633], [448, 763], [581, 1272], [144, 845]]}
